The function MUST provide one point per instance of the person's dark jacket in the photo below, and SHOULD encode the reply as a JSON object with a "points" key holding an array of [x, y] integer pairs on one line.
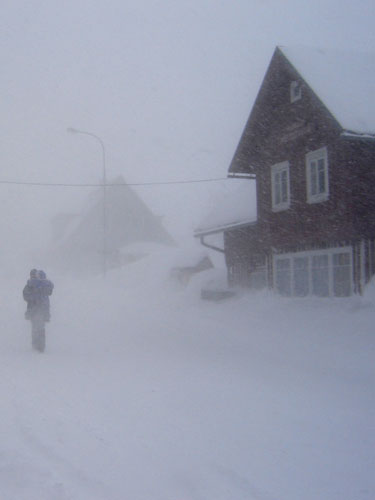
{"points": [[36, 293], [32, 292]]}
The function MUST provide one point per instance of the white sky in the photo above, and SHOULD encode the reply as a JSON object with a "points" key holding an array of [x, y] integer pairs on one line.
{"points": [[167, 85]]}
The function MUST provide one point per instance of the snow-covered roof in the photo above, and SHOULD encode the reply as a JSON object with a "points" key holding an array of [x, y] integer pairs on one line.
{"points": [[128, 221], [344, 81], [234, 207]]}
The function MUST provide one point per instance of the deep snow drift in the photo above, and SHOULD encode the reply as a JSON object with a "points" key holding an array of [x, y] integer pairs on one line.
{"points": [[147, 393]]}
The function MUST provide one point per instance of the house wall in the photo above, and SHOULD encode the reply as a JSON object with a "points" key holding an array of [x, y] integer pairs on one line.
{"points": [[287, 131], [244, 256], [359, 158], [277, 131]]}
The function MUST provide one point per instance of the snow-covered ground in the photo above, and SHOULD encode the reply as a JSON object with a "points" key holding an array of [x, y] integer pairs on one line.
{"points": [[145, 392]]}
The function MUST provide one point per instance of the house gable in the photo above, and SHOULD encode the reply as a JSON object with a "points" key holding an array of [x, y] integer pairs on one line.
{"points": [[277, 121], [281, 131], [315, 183]]}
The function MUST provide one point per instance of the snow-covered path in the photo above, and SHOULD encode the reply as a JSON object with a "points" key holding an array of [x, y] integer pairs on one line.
{"points": [[147, 393]]}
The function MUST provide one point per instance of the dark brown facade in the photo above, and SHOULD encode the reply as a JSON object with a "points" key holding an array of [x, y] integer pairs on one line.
{"points": [[315, 194]]}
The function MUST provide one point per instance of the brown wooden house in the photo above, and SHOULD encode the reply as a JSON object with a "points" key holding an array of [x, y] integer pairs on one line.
{"points": [[310, 145]]}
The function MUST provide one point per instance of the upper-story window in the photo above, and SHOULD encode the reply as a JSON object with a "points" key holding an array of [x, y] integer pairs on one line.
{"points": [[280, 186], [317, 176], [295, 91]]}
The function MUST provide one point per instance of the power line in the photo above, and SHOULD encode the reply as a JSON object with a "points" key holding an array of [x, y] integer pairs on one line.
{"points": [[61, 184]]}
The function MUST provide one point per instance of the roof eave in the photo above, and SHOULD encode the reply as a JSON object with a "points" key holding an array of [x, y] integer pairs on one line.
{"points": [[241, 175], [365, 136], [221, 229]]}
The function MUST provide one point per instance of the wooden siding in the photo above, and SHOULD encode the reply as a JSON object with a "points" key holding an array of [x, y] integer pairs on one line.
{"points": [[278, 131]]}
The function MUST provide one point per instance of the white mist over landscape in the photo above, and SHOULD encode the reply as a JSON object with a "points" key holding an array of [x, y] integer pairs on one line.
{"points": [[145, 391], [167, 87]]}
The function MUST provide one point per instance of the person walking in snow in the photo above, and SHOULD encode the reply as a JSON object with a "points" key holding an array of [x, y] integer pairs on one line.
{"points": [[36, 293]]}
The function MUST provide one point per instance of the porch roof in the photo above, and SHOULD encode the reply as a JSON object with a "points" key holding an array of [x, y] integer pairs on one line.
{"points": [[234, 208]]}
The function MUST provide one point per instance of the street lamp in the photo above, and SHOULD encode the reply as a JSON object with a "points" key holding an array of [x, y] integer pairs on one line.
{"points": [[104, 206]]}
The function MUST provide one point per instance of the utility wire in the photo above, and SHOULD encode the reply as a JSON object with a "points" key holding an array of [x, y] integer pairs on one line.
{"points": [[60, 184]]}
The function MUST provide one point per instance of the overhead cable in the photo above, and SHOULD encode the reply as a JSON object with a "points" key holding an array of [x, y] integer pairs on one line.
{"points": [[61, 184]]}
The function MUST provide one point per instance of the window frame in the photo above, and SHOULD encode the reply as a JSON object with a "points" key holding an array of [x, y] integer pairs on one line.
{"points": [[315, 157], [276, 170], [335, 272], [295, 91]]}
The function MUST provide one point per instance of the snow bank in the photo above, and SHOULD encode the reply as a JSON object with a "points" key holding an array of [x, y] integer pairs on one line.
{"points": [[147, 393]]}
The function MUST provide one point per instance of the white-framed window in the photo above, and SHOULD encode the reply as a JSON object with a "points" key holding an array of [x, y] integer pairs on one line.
{"points": [[280, 186], [301, 275], [323, 273], [283, 275], [295, 91], [342, 270], [317, 176], [320, 278]]}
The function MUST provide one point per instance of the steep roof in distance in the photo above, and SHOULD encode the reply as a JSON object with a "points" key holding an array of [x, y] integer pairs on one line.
{"points": [[128, 220], [344, 81]]}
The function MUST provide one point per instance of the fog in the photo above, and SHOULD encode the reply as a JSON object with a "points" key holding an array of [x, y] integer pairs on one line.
{"points": [[145, 391], [167, 87]]}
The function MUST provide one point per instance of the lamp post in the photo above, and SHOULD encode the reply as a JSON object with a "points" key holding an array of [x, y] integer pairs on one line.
{"points": [[104, 204]]}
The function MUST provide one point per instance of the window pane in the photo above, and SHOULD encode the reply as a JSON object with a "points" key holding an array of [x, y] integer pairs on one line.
{"points": [[283, 263], [321, 176], [277, 188], [341, 282], [313, 177], [280, 185], [317, 175], [341, 259], [301, 262], [320, 275], [320, 261], [301, 276], [284, 186], [341, 274], [283, 276]]}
